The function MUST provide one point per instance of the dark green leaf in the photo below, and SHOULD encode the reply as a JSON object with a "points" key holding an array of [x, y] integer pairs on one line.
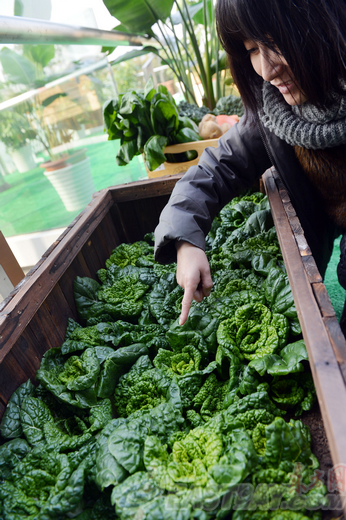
{"points": [[117, 364], [153, 151], [138, 16], [10, 426], [49, 100]]}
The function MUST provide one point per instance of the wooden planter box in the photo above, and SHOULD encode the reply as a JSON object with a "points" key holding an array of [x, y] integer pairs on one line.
{"points": [[33, 318]]}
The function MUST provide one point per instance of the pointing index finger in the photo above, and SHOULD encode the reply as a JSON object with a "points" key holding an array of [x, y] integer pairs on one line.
{"points": [[185, 304]]}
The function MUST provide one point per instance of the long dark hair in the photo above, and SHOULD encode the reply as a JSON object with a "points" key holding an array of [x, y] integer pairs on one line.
{"points": [[310, 34]]}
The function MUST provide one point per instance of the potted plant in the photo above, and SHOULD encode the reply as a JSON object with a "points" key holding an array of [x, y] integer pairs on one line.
{"points": [[16, 134], [70, 177]]}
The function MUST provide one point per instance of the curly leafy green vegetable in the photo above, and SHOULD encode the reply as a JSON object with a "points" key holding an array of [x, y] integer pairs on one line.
{"points": [[164, 300], [253, 332], [129, 254], [136, 416], [287, 362], [46, 484], [123, 299], [10, 426], [144, 387], [279, 296], [80, 380], [198, 330]]}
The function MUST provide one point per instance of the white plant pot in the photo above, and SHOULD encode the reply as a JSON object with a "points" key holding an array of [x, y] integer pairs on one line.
{"points": [[74, 184], [23, 159]]}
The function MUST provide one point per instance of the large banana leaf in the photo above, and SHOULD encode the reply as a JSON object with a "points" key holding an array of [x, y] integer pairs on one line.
{"points": [[17, 68], [193, 11], [138, 16], [198, 16], [134, 54], [18, 8], [40, 54]]}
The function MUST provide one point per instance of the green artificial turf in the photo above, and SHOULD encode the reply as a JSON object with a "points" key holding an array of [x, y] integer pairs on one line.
{"points": [[336, 293], [31, 203]]}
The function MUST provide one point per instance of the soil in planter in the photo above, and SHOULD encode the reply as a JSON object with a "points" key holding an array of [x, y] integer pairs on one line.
{"points": [[320, 448]]}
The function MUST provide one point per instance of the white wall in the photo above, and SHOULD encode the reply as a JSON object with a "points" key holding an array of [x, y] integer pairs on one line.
{"points": [[29, 248]]}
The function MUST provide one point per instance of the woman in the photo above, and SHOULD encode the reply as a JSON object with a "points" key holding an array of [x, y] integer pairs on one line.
{"points": [[288, 60]]}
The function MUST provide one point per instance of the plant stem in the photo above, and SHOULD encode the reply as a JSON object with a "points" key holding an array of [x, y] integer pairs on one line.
{"points": [[194, 43], [210, 93]]}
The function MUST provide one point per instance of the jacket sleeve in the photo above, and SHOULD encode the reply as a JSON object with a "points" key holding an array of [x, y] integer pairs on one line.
{"points": [[221, 174]]}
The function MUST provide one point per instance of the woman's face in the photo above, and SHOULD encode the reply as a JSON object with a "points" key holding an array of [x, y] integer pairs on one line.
{"points": [[273, 67]]}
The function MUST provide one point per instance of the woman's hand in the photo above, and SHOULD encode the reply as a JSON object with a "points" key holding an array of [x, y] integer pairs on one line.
{"points": [[193, 275]]}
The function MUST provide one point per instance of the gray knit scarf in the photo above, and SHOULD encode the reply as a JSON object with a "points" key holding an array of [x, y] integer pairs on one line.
{"points": [[304, 125]]}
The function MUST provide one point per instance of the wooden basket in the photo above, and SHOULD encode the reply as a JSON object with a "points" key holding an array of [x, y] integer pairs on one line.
{"points": [[168, 168]]}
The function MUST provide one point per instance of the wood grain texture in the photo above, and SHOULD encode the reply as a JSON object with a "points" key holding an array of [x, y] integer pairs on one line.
{"points": [[92, 258], [144, 189], [109, 230], [58, 308], [323, 300], [302, 245], [128, 220], [118, 222], [337, 339], [325, 369], [13, 374], [296, 225], [289, 209], [311, 269], [78, 267], [108, 238]]}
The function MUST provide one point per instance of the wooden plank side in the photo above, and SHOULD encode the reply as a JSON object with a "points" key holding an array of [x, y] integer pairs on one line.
{"points": [[337, 340], [36, 338], [118, 222], [311, 269], [108, 238], [90, 254], [20, 364], [109, 230], [58, 309], [128, 222], [147, 216], [37, 287], [77, 268], [144, 189], [136, 218], [323, 300], [326, 372], [45, 329]]}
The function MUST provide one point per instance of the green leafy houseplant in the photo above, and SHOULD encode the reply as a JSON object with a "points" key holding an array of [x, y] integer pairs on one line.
{"points": [[146, 122], [195, 48], [15, 130], [27, 122]]}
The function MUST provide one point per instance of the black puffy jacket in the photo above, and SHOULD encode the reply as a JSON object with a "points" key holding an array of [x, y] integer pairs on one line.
{"points": [[243, 155]]}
